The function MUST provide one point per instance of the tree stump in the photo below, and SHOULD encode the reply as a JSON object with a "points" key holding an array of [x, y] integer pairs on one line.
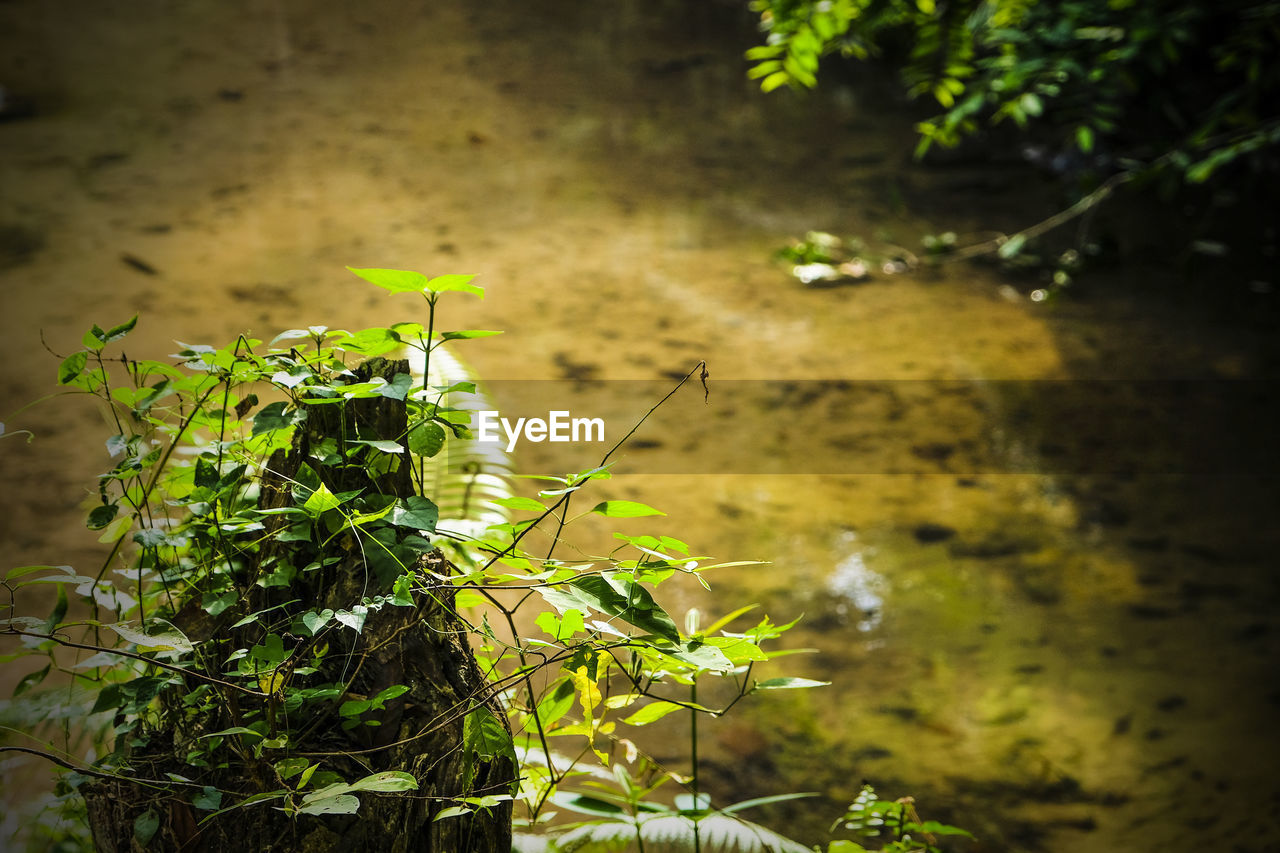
{"points": [[423, 647]]}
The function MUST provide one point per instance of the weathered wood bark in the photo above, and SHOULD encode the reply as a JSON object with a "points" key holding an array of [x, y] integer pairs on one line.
{"points": [[423, 647]]}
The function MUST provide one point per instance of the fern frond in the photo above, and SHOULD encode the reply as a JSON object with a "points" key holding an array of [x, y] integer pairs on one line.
{"points": [[466, 476], [672, 833]]}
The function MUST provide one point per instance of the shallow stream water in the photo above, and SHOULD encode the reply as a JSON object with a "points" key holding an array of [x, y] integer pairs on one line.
{"points": [[1055, 657]]}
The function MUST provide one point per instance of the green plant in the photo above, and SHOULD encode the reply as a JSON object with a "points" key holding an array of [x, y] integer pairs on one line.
{"points": [[894, 825], [279, 585], [1104, 93], [1080, 67]]}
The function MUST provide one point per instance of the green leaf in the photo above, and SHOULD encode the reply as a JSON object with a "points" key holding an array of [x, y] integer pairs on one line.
{"points": [[383, 445], [23, 571], [208, 800], [788, 683], [101, 516], [315, 621], [387, 782], [31, 679], [151, 537], [426, 439], [452, 811], [701, 655], [170, 641], [459, 283], [935, 828], [625, 509], [72, 366], [485, 737], [353, 618], [586, 805], [274, 416], [371, 342], [521, 504], [764, 68], [392, 692], [398, 388], [115, 333], [145, 827], [774, 80], [552, 706], [354, 707], [465, 334], [289, 767], [234, 730], [396, 281], [653, 712], [415, 512], [614, 594], [94, 339], [764, 801], [1084, 138], [338, 804], [561, 629], [59, 611], [321, 501]]}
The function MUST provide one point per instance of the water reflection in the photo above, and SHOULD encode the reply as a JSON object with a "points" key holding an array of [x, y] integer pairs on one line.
{"points": [[859, 592], [619, 187]]}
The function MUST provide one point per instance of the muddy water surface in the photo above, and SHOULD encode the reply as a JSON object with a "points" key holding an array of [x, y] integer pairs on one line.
{"points": [[1058, 661]]}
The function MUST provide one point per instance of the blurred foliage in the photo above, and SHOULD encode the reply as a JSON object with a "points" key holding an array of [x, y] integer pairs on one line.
{"points": [[1107, 84]]}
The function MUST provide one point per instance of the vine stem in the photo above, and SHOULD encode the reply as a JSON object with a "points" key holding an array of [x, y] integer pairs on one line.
{"points": [[693, 750]]}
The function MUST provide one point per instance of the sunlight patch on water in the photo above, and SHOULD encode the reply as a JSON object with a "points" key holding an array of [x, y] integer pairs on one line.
{"points": [[861, 591]]}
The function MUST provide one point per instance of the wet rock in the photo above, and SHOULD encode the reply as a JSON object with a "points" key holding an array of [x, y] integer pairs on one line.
{"points": [[13, 106], [729, 510], [1206, 553], [1197, 590], [659, 67], [934, 451], [995, 545], [929, 533], [263, 294], [18, 245], [1171, 764], [1148, 543], [577, 371], [233, 189], [1254, 631], [905, 713], [872, 753], [1108, 514], [1149, 611], [107, 158], [138, 265], [1039, 589]]}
